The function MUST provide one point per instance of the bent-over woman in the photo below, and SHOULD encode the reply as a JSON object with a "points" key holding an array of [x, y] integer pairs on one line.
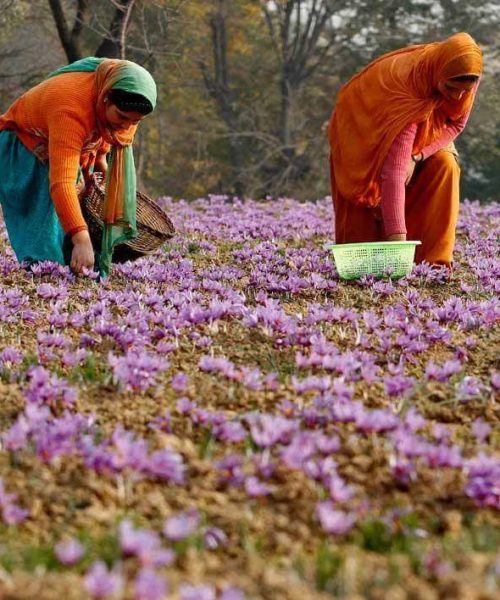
{"points": [[394, 168], [63, 127]]}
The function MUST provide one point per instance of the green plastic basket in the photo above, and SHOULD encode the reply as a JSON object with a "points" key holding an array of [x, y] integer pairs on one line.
{"points": [[393, 259]]}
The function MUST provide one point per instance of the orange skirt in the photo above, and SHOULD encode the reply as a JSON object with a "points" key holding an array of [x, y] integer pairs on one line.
{"points": [[431, 211]]}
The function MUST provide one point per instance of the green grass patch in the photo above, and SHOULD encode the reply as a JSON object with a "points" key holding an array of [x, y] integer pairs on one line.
{"points": [[30, 558], [377, 536], [90, 372], [328, 568]]}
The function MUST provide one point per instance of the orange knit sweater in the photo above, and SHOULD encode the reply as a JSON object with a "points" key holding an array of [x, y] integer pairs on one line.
{"points": [[56, 121]]}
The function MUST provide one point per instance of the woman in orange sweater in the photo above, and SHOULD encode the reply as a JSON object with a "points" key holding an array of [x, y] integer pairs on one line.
{"points": [[63, 127]]}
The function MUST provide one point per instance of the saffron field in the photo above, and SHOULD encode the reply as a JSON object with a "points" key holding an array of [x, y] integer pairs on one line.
{"points": [[227, 420]]}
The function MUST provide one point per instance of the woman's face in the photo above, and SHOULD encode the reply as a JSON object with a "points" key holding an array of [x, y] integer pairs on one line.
{"points": [[454, 90], [118, 119]]}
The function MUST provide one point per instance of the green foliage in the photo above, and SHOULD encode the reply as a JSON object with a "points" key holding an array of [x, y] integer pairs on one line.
{"points": [[477, 536], [16, 556], [89, 372], [378, 536], [29, 558], [328, 568], [206, 445]]}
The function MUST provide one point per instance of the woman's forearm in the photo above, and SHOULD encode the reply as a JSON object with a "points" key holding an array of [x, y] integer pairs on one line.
{"points": [[393, 182]]}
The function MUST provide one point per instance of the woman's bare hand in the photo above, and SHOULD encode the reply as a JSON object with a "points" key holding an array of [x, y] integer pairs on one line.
{"points": [[409, 171], [83, 252], [101, 164]]}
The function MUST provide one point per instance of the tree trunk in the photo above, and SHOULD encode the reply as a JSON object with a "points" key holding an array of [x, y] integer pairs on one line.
{"points": [[219, 88], [286, 104], [113, 45], [70, 38]]}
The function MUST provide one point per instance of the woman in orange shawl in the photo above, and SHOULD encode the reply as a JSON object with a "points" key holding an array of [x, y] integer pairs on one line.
{"points": [[394, 124]]}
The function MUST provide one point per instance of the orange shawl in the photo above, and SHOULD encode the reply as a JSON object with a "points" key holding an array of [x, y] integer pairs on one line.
{"points": [[108, 74], [393, 91]]}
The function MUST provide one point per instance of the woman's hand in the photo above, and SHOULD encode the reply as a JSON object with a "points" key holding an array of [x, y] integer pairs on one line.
{"points": [[411, 167], [397, 237], [83, 252], [409, 171], [101, 164]]}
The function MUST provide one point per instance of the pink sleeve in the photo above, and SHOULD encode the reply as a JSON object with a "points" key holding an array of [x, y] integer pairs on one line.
{"points": [[393, 177], [452, 131]]}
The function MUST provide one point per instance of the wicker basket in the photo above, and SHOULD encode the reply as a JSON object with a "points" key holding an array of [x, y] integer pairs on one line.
{"points": [[154, 227]]}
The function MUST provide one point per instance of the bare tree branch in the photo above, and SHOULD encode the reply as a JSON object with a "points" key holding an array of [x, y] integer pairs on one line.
{"points": [[113, 45]]}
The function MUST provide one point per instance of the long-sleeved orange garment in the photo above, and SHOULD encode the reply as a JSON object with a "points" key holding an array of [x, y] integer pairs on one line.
{"points": [[56, 120]]}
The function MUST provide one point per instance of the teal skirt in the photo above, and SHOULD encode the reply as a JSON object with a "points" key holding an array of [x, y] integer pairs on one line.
{"points": [[33, 226]]}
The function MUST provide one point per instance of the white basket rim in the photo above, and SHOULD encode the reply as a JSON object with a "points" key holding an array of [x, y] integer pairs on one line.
{"points": [[373, 244]]}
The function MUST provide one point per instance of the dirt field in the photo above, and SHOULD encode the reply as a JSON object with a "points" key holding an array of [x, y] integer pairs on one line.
{"points": [[226, 419]]}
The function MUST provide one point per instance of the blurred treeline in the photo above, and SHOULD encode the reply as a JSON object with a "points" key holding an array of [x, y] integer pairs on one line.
{"points": [[246, 86]]}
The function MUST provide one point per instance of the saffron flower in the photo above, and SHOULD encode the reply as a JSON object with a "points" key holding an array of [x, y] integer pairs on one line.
{"points": [[69, 552], [182, 525], [148, 585], [334, 522], [102, 583]]}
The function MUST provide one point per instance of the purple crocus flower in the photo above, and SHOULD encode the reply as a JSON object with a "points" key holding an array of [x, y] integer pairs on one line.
{"points": [[167, 465], [230, 469], [469, 387], [480, 430], [267, 430], [196, 592], [334, 522], [130, 451], [144, 544], [69, 552], [48, 389], [441, 432], [232, 593], [483, 477], [10, 356], [347, 412], [148, 585], [101, 583], [137, 371], [403, 470], [413, 420], [254, 487], [214, 537], [230, 432], [185, 406], [162, 423], [339, 490], [11, 513], [16, 437], [182, 525], [377, 421], [443, 373], [399, 385], [495, 380], [180, 382], [443, 456]]}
